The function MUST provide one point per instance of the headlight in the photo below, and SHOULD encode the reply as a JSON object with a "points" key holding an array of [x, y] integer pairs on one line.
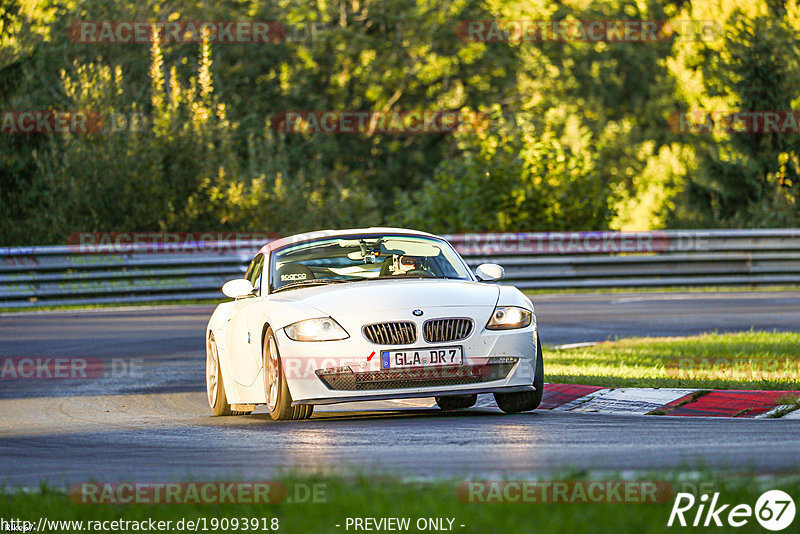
{"points": [[325, 329], [509, 317]]}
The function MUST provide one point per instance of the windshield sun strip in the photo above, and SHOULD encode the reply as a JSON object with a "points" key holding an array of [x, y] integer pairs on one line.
{"points": [[437, 240]]}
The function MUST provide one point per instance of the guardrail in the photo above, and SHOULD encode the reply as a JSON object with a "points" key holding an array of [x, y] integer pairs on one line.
{"points": [[63, 275]]}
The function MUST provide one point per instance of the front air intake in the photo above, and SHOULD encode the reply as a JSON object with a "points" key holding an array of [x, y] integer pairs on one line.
{"points": [[444, 330], [395, 333]]}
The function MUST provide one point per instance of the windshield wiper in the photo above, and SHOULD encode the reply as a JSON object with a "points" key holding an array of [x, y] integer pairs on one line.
{"points": [[302, 283]]}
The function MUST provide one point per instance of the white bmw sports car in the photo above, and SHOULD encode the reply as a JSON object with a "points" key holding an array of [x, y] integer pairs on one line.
{"points": [[369, 314]]}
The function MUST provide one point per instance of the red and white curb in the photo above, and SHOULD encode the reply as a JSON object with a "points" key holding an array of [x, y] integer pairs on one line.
{"points": [[623, 401], [664, 401]]}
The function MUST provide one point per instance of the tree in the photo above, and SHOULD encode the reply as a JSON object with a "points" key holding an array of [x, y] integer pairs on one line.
{"points": [[750, 177]]}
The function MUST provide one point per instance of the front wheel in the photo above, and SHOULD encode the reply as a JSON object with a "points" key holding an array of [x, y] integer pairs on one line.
{"points": [[215, 389], [279, 400], [524, 401]]}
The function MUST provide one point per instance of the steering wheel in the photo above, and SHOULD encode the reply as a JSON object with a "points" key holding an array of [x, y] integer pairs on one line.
{"points": [[420, 272]]}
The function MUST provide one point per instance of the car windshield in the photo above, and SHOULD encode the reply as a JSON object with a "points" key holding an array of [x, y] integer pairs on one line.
{"points": [[364, 257]]}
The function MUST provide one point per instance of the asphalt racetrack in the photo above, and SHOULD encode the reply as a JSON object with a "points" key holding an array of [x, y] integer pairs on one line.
{"points": [[154, 424]]}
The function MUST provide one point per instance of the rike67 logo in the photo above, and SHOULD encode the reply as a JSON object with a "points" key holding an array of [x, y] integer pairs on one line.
{"points": [[774, 510]]}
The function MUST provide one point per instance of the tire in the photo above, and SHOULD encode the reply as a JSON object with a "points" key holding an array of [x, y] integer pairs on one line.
{"points": [[456, 402], [215, 389], [525, 401], [276, 389]]}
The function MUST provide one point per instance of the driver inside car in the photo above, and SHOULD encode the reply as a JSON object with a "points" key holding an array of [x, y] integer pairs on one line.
{"points": [[406, 264]]}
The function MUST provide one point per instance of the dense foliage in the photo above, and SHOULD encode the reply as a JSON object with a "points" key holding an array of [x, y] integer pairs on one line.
{"points": [[567, 134]]}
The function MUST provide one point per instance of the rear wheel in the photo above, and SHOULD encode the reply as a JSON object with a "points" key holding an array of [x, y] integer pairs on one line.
{"points": [[279, 400], [215, 389], [524, 401], [456, 402]]}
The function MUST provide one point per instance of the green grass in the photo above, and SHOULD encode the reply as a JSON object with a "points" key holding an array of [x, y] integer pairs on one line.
{"points": [[746, 360], [789, 403], [390, 497]]}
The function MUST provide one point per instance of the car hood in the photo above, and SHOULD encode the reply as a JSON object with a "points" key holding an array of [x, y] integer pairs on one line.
{"points": [[380, 295]]}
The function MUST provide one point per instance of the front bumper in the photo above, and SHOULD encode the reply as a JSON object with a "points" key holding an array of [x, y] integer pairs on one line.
{"points": [[414, 377], [349, 370], [377, 396]]}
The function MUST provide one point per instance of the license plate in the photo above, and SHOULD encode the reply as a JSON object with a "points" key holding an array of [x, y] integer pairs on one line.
{"points": [[436, 356]]}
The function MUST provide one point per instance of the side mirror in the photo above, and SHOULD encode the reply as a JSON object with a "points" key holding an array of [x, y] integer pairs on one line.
{"points": [[489, 272], [238, 288]]}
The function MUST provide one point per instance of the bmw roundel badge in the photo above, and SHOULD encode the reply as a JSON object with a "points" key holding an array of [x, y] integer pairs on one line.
{"points": [[417, 313]]}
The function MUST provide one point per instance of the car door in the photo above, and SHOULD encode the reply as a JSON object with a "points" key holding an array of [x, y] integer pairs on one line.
{"points": [[244, 343]]}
